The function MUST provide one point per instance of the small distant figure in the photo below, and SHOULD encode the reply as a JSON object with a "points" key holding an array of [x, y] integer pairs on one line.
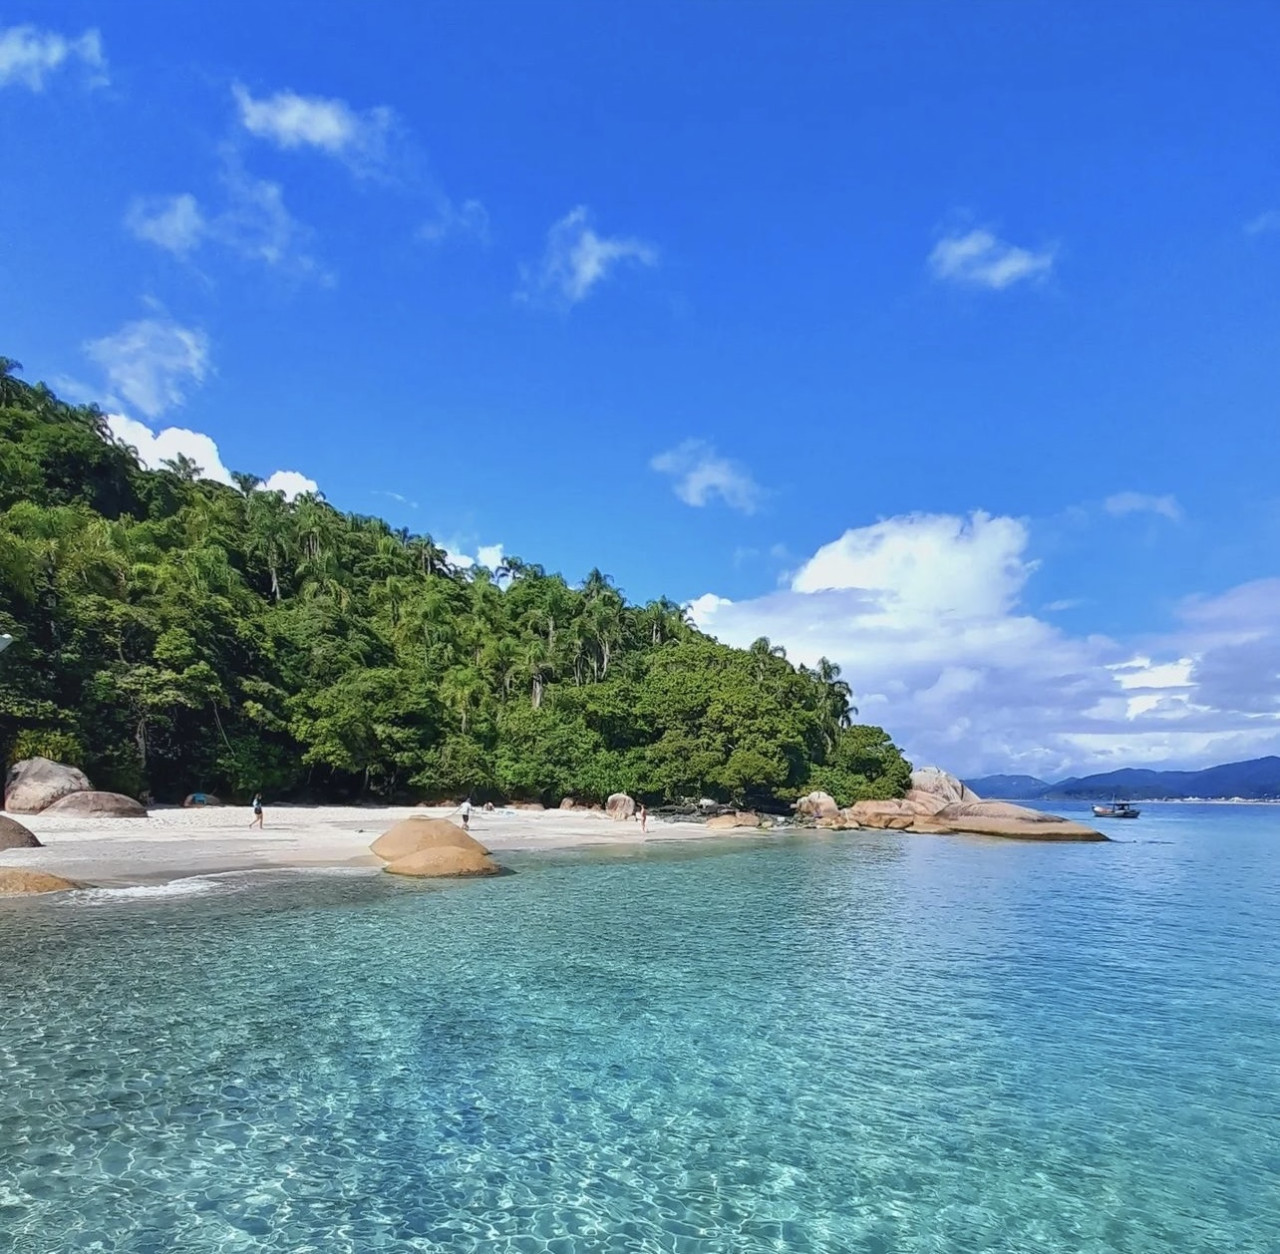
{"points": [[466, 815], [643, 815], [257, 810]]}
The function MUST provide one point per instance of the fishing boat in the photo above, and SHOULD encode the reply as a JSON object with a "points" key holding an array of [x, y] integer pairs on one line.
{"points": [[1116, 810]]}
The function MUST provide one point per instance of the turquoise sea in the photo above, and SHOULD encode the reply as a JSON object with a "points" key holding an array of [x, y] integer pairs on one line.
{"points": [[864, 1042]]}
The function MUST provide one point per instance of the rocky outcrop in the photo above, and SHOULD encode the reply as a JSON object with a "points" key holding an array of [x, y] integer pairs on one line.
{"points": [[728, 822], [930, 782], [34, 784], [817, 805], [111, 805], [14, 836], [620, 806], [444, 862], [415, 835], [939, 804], [568, 803], [1000, 818], [534, 806], [17, 881]]}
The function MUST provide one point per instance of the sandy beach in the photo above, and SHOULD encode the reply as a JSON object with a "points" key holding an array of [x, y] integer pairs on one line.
{"points": [[174, 843]]}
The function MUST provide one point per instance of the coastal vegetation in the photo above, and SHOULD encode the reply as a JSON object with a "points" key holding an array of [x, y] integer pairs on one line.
{"points": [[174, 633]]}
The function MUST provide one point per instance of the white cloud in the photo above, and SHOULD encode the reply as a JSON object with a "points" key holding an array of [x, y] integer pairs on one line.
{"points": [[254, 223], [1263, 223], [576, 259], [487, 555], [152, 362], [980, 259], [924, 613], [289, 482], [1122, 503], [28, 55], [174, 223], [156, 447], [469, 218], [361, 140], [699, 474]]}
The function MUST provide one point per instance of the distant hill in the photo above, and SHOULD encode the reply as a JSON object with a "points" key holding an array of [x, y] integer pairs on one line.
{"points": [[1009, 787], [1254, 780]]}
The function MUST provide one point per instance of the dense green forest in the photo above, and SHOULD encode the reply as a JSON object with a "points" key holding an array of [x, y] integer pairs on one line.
{"points": [[175, 634]]}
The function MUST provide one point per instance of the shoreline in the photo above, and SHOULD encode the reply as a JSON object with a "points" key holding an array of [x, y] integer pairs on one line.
{"points": [[175, 843]]}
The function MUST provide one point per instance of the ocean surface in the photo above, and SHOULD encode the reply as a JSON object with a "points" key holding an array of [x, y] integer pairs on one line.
{"points": [[853, 1043]]}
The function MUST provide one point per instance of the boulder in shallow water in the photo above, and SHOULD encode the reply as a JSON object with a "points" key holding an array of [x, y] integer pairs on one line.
{"points": [[620, 806], [1000, 818], [34, 784], [14, 836], [18, 881], [444, 862], [817, 805], [111, 805], [415, 834]]}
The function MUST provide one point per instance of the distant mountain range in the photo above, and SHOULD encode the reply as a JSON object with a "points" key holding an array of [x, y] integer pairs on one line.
{"points": [[1256, 780]]}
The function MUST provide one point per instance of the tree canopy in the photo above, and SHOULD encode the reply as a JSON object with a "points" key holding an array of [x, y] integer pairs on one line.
{"points": [[176, 634]]}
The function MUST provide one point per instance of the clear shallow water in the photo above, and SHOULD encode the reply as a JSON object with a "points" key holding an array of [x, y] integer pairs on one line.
{"points": [[866, 1043]]}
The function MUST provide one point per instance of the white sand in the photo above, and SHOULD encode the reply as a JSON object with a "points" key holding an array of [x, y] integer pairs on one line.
{"points": [[175, 844]]}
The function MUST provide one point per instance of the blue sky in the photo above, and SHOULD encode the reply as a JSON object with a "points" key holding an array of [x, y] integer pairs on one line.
{"points": [[939, 338]]}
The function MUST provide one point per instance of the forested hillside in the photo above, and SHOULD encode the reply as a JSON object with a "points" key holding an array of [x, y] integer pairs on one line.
{"points": [[175, 634]]}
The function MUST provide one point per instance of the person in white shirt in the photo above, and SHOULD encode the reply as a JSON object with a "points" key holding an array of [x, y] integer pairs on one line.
{"points": [[466, 815]]}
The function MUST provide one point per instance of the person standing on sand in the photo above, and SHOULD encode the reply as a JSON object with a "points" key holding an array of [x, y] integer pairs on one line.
{"points": [[643, 815], [466, 815], [257, 810]]}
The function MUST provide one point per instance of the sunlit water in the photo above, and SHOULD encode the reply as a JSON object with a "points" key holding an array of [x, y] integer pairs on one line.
{"points": [[869, 1042]]}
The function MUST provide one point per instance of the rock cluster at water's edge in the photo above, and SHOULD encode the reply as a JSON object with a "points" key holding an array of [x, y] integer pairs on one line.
{"points": [[939, 804], [110, 805], [34, 784], [817, 805], [14, 836]]}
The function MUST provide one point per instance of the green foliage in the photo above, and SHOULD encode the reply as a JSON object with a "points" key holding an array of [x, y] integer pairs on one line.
{"points": [[176, 634]]}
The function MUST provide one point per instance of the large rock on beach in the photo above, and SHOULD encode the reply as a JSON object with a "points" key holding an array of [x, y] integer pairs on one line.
{"points": [[728, 822], [414, 835], [110, 805], [18, 881], [817, 805], [444, 862], [14, 836], [620, 806], [34, 784]]}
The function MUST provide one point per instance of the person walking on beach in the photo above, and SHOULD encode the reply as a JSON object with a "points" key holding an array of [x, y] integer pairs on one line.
{"points": [[466, 815], [643, 815], [257, 810]]}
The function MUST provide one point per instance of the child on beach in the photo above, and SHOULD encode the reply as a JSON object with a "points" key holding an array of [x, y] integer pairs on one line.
{"points": [[643, 815], [257, 810]]}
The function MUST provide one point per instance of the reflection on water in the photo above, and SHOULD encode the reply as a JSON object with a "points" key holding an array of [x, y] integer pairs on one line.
{"points": [[854, 1043]]}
